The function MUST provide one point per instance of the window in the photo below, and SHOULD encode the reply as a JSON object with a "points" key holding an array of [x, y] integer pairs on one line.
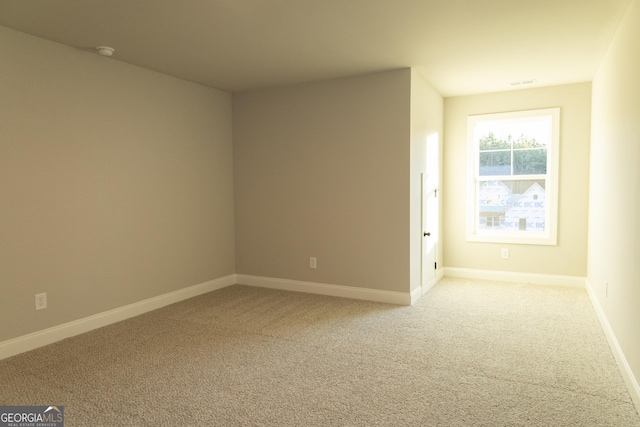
{"points": [[493, 221], [513, 177]]}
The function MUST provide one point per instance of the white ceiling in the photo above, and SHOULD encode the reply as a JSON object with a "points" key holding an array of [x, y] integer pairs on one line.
{"points": [[461, 46]]}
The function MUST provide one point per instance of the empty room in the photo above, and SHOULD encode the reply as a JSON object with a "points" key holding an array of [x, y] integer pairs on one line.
{"points": [[329, 213]]}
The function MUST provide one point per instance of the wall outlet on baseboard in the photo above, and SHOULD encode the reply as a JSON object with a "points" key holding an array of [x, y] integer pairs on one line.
{"points": [[313, 262], [41, 301], [505, 253]]}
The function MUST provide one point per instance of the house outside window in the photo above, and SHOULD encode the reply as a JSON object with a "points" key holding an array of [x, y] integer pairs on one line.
{"points": [[513, 177]]}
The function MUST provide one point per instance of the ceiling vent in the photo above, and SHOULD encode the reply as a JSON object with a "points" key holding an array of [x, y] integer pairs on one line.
{"points": [[522, 83]]}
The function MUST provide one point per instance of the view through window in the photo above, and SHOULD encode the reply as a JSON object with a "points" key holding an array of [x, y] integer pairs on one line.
{"points": [[513, 168]]}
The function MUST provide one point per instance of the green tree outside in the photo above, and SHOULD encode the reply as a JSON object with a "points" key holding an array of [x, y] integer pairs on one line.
{"points": [[521, 156]]}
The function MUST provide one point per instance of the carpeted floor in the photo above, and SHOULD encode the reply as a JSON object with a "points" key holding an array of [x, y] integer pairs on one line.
{"points": [[469, 353]]}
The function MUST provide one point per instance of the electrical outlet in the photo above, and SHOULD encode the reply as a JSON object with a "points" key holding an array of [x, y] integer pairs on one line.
{"points": [[313, 262], [41, 301], [505, 253]]}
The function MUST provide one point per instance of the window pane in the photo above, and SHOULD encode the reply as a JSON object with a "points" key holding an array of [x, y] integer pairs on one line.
{"points": [[530, 162], [495, 163], [516, 205]]}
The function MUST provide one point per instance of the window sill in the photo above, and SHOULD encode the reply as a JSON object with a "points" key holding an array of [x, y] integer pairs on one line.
{"points": [[510, 238]]}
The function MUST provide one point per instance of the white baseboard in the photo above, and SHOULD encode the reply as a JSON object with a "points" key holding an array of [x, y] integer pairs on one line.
{"points": [[48, 336], [507, 276], [439, 275], [623, 364], [419, 292], [416, 294], [367, 294]]}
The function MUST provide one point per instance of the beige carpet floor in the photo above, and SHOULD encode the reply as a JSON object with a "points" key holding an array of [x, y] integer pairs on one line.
{"points": [[469, 353]]}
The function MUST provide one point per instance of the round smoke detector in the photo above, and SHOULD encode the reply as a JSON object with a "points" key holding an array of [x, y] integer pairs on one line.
{"points": [[105, 50]]}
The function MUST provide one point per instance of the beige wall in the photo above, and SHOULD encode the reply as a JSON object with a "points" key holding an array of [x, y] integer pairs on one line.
{"points": [[614, 211], [568, 258], [116, 183], [426, 121], [322, 170]]}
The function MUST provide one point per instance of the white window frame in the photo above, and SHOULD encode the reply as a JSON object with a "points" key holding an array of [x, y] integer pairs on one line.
{"points": [[550, 235]]}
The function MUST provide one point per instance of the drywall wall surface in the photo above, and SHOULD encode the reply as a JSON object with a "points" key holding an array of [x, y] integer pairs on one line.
{"points": [[426, 127], [568, 257], [322, 170], [614, 210], [116, 183]]}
